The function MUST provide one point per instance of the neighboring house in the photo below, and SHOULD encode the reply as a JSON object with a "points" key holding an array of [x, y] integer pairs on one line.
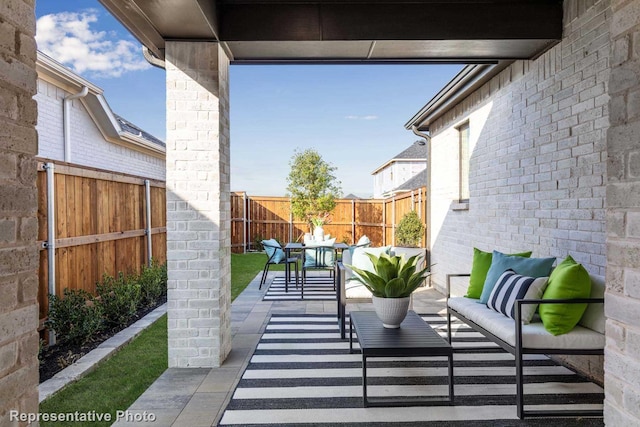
{"points": [[418, 181], [352, 196], [91, 135], [401, 168], [518, 165]]}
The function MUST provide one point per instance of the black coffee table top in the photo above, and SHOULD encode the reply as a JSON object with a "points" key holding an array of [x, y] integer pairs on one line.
{"points": [[414, 337]]}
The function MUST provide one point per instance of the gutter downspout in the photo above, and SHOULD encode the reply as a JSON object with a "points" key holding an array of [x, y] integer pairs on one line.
{"points": [[66, 126], [427, 202], [152, 59], [51, 237]]}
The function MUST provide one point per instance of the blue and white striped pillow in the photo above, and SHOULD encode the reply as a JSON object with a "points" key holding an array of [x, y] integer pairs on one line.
{"points": [[510, 287]]}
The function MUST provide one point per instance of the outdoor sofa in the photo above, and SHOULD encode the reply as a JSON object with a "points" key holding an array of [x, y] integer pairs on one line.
{"points": [[586, 338]]}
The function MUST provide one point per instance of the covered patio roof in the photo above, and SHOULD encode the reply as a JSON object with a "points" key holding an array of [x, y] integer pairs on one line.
{"points": [[349, 31]]}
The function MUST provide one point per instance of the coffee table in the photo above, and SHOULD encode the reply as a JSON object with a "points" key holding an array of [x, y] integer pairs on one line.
{"points": [[414, 338]]}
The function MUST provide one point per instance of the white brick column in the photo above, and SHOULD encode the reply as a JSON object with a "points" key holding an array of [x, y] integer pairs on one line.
{"points": [[198, 204]]}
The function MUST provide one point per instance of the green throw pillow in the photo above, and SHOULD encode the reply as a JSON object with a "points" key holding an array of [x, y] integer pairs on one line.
{"points": [[568, 280], [479, 270]]}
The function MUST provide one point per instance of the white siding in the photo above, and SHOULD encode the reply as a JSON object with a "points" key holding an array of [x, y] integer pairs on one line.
{"points": [[88, 146], [394, 175]]}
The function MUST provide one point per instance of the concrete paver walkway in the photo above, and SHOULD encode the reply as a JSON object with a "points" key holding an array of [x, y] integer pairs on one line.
{"points": [[197, 397]]}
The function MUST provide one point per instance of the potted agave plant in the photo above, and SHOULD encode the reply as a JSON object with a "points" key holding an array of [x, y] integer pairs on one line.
{"points": [[391, 283]]}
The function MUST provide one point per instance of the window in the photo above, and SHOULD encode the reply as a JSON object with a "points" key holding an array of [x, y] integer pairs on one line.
{"points": [[463, 141]]}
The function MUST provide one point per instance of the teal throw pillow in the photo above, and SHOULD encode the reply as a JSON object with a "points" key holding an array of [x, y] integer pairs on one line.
{"points": [[480, 268], [272, 246], [532, 267]]}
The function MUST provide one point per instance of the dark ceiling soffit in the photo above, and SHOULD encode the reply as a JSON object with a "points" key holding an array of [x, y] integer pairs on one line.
{"points": [[152, 23], [337, 61], [210, 12], [134, 19], [466, 81], [279, 21]]}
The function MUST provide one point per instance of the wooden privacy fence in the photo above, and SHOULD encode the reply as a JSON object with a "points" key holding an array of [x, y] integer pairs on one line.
{"points": [[100, 226], [255, 218]]}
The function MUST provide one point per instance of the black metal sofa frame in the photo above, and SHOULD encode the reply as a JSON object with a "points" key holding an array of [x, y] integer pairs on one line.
{"points": [[519, 351]]}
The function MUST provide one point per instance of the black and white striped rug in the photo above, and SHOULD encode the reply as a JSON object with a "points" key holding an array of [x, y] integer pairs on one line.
{"points": [[316, 288], [302, 374]]}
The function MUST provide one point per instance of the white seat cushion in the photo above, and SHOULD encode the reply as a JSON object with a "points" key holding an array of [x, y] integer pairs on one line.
{"points": [[534, 335], [356, 290]]}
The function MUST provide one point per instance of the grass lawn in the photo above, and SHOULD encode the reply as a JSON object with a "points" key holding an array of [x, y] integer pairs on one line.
{"points": [[244, 268], [119, 381]]}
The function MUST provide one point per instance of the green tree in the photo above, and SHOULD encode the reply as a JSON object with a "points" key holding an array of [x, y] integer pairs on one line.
{"points": [[312, 186], [410, 230]]}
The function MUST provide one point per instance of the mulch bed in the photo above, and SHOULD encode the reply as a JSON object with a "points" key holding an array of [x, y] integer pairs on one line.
{"points": [[57, 357]]}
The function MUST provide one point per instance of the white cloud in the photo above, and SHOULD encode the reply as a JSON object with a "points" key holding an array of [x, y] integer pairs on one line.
{"points": [[69, 38], [369, 117]]}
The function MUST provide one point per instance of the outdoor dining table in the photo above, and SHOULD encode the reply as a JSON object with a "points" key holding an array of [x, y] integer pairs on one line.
{"points": [[297, 246]]}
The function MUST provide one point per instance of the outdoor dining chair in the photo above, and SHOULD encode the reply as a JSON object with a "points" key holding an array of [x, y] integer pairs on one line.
{"points": [[320, 257], [276, 255]]}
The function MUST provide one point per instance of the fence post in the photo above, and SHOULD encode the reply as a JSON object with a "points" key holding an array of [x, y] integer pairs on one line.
{"points": [[244, 223], [50, 244], [384, 222], [290, 222], [393, 220], [353, 221], [249, 221], [147, 196]]}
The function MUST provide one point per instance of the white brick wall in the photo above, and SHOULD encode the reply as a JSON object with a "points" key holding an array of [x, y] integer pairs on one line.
{"points": [[538, 159], [537, 171], [88, 146]]}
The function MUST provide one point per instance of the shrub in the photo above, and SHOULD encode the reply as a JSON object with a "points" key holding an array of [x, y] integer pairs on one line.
{"points": [[76, 317], [119, 298], [153, 283], [257, 243], [410, 230]]}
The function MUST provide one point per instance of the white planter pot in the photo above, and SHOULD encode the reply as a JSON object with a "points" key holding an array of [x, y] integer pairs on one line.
{"points": [[318, 234], [391, 311]]}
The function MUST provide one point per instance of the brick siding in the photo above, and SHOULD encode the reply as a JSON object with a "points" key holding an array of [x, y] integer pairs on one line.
{"points": [[538, 158], [18, 208]]}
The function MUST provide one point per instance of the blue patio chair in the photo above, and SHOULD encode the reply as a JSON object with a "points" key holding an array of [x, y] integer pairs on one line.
{"points": [[319, 257], [276, 255]]}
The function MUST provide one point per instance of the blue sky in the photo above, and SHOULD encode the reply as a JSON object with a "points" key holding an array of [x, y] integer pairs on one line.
{"points": [[352, 115]]}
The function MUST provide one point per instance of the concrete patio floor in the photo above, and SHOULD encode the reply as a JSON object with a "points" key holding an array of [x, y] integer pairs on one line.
{"points": [[197, 397]]}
